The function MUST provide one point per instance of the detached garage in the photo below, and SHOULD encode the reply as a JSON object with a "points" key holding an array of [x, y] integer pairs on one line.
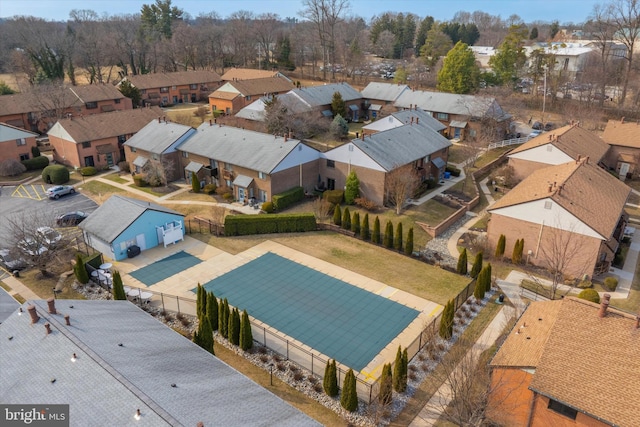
{"points": [[123, 227]]}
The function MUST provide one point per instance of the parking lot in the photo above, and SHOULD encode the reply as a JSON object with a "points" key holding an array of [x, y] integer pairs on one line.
{"points": [[29, 201]]}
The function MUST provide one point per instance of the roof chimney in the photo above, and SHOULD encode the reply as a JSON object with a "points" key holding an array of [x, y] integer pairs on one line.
{"points": [[51, 302], [159, 119], [586, 159], [417, 120], [32, 312], [638, 321], [411, 120], [47, 327], [66, 320], [210, 122], [362, 135], [604, 305], [578, 159], [550, 187]]}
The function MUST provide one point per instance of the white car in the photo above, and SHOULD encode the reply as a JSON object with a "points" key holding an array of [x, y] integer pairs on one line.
{"points": [[50, 236], [59, 190]]}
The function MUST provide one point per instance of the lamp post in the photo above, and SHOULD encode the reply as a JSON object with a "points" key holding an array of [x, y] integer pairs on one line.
{"points": [[271, 373]]}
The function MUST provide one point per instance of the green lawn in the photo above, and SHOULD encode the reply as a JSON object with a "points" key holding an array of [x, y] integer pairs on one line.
{"points": [[545, 290], [115, 177], [457, 154], [148, 190]]}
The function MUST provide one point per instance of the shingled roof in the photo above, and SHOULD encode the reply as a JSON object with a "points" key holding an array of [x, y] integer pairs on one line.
{"points": [[254, 87], [179, 78], [591, 363], [450, 103], [572, 140], [586, 191], [625, 134], [105, 125], [249, 74], [316, 96], [384, 91]]}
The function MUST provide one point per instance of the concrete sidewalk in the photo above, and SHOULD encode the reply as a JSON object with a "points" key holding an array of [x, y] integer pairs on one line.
{"points": [[18, 288]]}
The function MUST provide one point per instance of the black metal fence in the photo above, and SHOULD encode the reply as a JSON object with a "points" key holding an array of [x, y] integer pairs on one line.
{"points": [[202, 226]]}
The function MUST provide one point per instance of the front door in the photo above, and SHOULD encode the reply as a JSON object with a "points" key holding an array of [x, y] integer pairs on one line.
{"points": [[109, 159], [456, 133], [241, 194]]}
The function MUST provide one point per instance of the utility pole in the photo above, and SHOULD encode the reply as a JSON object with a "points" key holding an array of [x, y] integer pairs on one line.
{"points": [[544, 95]]}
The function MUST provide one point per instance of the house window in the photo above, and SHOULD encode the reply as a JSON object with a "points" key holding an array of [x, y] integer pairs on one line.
{"points": [[350, 147], [86, 144], [214, 107], [165, 100], [248, 98], [173, 88], [228, 167], [548, 204], [24, 157], [562, 409], [122, 139], [331, 163], [262, 175], [193, 87], [154, 156], [88, 161], [473, 133], [263, 195], [117, 101], [134, 149], [185, 154], [91, 105], [143, 91], [566, 63], [164, 90], [21, 141], [331, 184], [442, 116]]}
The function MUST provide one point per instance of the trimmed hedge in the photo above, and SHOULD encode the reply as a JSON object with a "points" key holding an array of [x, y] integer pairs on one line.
{"points": [[287, 198], [333, 196], [453, 170], [88, 171], [209, 189], [36, 163], [242, 225], [55, 174], [611, 283]]}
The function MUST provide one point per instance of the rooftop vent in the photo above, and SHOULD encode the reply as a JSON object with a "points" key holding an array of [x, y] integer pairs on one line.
{"points": [[32, 312], [47, 326], [604, 305], [51, 302], [66, 320]]}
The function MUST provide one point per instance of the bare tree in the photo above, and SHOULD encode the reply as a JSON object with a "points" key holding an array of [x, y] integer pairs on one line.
{"points": [[265, 29], [156, 171], [624, 15], [400, 184]]}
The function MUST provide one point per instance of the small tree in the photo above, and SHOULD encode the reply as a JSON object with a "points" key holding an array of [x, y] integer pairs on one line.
{"points": [[195, 183], [388, 235], [118, 288], [338, 106], [462, 262], [234, 327], [502, 241], [201, 302], [488, 280], [204, 336], [397, 243], [477, 265], [516, 256], [246, 336], [80, 270], [337, 216], [364, 228], [399, 374], [405, 366], [223, 318], [590, 295], [386, 385], [330, 381], [479, 290], [408, 247], [346, 218], [355, 223], [349, 398], [352, 190], [339, 127], [212, 310], [446, 321], [375, 236]]}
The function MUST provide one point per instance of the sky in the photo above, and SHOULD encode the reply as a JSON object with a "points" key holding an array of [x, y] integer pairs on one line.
{"points": [[565, 11]]}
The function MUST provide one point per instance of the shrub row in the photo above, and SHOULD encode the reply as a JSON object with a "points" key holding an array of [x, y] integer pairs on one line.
{"points": [[241, 225], [36, 163], [453, 170], [88, 171], [287, 198]]}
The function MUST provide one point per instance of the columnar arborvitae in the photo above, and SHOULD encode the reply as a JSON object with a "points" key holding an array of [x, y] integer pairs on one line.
{"points": [[477, 265], [397, 243], [346, 218], [488, 282], [349, 398], [500, 247], [246, 336], [462, 262], [223, 318], [479, 290], [516, 257], [364, 229], [212, 310], [375, 236], [330, 381], [399, 377], [408, 246], [520, 250], [446, 321], [386, 385], [355, 223], [80, 270], [118, 288], [337, 215], [204, 336], [195, 183], [405, 366], [234, 327], [201, 301], [388, 235]]}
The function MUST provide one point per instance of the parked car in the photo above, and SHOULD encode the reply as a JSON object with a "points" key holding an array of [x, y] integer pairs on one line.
{"points": [[71, 218], [536, 126], [59, 190], [29, 246], [50, 236], [10, 261], [549, 126], [535, 133]]}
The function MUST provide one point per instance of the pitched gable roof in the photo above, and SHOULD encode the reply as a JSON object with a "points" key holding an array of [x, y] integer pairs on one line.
{"points": [[253, 150], [384, 91], [9, 133], [260, 86], [625, 134], [465, 105], [95, 93], [116, 214], [401, 145], [248, 74], [586, 191], [127, 360], [157, 136], [179, 78], [105, 125], [572, 140], [591, 363], [317, 96]]}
